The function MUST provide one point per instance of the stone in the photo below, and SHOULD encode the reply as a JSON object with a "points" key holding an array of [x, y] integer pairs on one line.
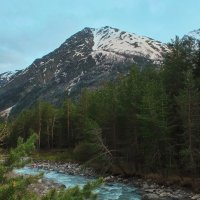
{"points": [[40, 181], [165, 194], [197, 197], [150, 190], [145, 186], [150, 197]]}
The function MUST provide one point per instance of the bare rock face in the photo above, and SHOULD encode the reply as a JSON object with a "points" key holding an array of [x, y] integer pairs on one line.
{"points": [[86, 59]]}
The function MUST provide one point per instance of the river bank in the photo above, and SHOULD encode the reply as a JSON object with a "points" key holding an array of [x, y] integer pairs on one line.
{"points": [[148, 189]]}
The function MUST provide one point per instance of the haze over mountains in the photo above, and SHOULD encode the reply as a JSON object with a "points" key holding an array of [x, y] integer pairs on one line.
{"points": [[87, 59]]}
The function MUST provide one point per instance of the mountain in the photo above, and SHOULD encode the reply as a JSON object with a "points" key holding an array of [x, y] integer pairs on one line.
{"points": [[195, 34], [86, 59], [7, 76]]}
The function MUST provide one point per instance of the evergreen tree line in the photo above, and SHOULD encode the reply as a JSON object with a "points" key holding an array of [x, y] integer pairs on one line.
{"points": [[146, 121]]}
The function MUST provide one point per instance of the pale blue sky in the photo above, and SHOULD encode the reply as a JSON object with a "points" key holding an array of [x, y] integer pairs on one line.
{"points": [[31, 28]]}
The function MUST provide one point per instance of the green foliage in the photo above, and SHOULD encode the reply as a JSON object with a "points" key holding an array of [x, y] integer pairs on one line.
{"points": [[12, 188], [15, 188], [189, 110], [18, 157], [89, 145], [76, 193], [4, 134]]}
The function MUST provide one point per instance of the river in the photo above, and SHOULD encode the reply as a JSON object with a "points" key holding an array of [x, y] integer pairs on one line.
{"points": [[109, 191]]}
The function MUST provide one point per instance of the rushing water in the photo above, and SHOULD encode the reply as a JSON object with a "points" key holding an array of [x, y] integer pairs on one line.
{"points": [[110, 191]]}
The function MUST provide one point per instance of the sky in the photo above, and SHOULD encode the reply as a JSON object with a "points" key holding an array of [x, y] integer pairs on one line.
{"points": [[29, 29]]}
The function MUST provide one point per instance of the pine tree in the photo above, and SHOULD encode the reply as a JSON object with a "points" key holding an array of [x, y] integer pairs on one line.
{"points": [[189, 108]]}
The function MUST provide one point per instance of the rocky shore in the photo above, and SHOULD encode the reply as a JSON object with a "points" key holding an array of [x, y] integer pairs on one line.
{"points": [[69, 168], [148, 189], [153, 191], [43, 186]]}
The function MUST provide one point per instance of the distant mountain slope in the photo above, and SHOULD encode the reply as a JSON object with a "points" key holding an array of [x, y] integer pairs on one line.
{"points": [[6, 77], [86, 59], [195, 34]]}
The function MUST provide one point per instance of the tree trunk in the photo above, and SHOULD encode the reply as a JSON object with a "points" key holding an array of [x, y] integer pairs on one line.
{"points": [[52, 132], [48, 135], [190, 128], [68, 124], [39, 127]]}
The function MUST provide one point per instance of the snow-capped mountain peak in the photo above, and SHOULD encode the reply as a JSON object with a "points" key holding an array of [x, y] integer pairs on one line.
{"points": [[108, 39], [85, 60]]}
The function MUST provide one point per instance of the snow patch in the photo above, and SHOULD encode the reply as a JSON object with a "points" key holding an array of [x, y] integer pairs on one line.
{"points": [[76, 54], [7, 75], [44, 70], [108, 39], [48, 61], [5, 113], [56, 73], [41, 63], [73, 82]]}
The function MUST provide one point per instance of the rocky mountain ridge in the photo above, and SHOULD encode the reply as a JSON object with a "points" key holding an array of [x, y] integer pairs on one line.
{"points": [[86, 59], [7, 76]]}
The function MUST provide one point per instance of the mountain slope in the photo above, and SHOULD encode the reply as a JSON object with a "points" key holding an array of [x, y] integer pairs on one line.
{"points": [[111, 41], [195, 34], [7, 76], [86, 59]]}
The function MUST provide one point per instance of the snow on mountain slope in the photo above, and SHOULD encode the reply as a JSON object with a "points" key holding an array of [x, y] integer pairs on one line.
{"points": [[109, 40], [5, 113], [85, 60], [6, 77]]}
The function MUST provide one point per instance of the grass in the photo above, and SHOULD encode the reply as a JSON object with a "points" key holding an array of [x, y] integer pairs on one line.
{"points": [[53, 155]]}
